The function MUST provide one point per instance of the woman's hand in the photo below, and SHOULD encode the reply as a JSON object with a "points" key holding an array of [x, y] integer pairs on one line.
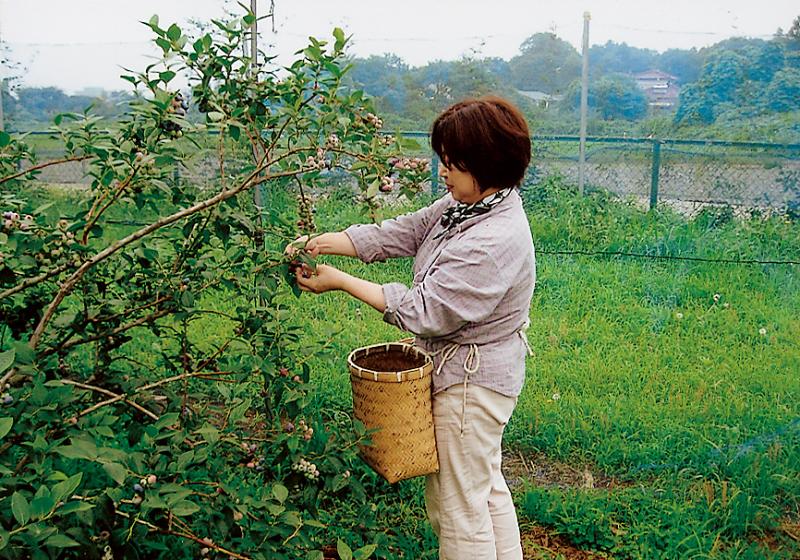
{"points": [[329, 243], [310, 244], [325, 279]]}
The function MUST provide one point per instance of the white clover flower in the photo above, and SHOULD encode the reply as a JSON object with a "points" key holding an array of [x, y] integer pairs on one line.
{"points": [[679, 315], [716, 298], [556, 396], [762, 331]]}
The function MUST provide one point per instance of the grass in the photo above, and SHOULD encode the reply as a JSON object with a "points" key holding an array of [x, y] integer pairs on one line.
{"points": [[638, 373]]}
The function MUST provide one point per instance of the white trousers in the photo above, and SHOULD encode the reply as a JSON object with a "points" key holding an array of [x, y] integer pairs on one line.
{"points": [[468, 501]]}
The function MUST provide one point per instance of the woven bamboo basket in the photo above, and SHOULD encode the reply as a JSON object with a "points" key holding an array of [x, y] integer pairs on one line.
{"points": [[392, 393]]}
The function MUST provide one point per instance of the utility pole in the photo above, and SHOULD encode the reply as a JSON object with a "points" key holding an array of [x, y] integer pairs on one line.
{"points": [[258, 193], [2, 117], [2, 82], [584, 102]]}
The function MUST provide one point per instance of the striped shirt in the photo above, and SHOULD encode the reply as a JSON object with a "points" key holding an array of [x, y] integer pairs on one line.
{"points": [[471, 286]]}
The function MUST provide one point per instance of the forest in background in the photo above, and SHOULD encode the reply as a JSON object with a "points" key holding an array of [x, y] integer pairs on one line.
{"points": [[736, 89]]}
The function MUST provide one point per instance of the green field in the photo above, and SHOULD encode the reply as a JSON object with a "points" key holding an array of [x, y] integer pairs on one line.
{"points": [[671, 387]]}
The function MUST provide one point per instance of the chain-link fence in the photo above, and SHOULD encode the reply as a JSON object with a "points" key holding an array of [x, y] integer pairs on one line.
{"points": [[686, 173]]}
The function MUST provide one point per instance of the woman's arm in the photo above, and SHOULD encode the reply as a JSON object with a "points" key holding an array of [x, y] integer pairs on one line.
{"points": [[331, 243], [327, 278]]}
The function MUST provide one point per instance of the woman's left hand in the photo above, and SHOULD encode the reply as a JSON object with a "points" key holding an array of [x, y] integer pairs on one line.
{"points": [[325, 278]]}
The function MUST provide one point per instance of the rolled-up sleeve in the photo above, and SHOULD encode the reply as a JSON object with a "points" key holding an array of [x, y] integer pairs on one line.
{"points": [[464, 287], [398, 237]]}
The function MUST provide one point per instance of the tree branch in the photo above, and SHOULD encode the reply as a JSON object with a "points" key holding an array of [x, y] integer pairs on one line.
{"points": [[70, 283], [42, 166]]}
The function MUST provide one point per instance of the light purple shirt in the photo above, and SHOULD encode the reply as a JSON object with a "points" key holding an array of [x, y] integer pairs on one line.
{"points": [[471, 286]]}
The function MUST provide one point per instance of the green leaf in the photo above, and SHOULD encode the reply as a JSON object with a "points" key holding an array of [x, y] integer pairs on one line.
{"points": [[216, 116], [365, 552], [338, 34], [5, 426], [345, 553], [315, 555], [41, 506], [117, 472], [7, 359], [280, 492], [3, 538], [60, 541], [185, 507], [166, 76], [209, 433], [80, 449], [75, 506], [153, 21], [5, 138], [235, 132], [20, 508], [65, 488], [174, 32]]}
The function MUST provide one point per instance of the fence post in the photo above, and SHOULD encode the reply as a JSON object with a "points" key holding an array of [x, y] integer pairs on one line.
{"points": [[654, 174], [434, 174]]}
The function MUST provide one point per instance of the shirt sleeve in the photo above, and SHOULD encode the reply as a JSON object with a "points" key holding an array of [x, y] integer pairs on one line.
{"points": [[397, 237], [464, 287]]}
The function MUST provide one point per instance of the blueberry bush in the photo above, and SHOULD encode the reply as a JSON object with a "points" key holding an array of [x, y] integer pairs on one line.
{"points": [[137, 420]]}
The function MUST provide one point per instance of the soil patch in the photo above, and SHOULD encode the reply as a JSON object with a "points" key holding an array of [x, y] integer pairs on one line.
{"points": [[539, 543], [541, 470]]}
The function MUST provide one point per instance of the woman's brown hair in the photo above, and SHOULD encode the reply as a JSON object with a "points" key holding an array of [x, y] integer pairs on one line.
{"points": [[488, 137]]}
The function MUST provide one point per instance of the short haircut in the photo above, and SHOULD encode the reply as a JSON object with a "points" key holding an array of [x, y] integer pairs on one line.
{"points": [[488, 137]]}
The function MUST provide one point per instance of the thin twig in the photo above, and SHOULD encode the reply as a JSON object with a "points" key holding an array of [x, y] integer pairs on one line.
{"points": [[42, 166], [138, 407], [117, 398], [189, 535], [28, 282]]}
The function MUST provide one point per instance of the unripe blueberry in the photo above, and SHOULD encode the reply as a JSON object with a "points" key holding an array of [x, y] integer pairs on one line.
{"points": [[284, 372], [151, 479], [250, 465], [136, 500], [237, 515], [7, 399], [297, 379]]}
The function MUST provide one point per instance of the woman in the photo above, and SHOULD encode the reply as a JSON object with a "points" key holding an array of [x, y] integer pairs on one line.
{"points": [[474, 274]]}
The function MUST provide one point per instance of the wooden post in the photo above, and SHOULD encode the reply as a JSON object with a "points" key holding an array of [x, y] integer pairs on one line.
{"points": [[654, 173], [584, 102]]}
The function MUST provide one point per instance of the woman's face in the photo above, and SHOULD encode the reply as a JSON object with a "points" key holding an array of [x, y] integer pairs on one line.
{"points": [[461, 184]]}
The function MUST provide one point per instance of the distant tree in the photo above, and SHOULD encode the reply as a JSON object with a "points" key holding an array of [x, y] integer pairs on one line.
{"points": [[783, 92], [382, 76], [614, 96], [695, 105], [685, 65], [765, 61], [620, 58], [545, 63]]}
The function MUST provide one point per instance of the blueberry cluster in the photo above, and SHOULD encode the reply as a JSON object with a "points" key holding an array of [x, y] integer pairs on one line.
{"points": [[178, 107], [309, 470], [12, 220], [254, 462], [306, 210]]}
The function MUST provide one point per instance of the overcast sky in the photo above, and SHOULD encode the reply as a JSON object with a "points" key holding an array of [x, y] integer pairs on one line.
{"points": [[74, 44]]}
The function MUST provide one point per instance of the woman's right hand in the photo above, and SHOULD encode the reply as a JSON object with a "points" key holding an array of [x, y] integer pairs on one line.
{"points": [[323, 244], [310, 244]]}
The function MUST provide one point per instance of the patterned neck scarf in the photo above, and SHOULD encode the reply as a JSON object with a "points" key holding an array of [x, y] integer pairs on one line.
{"points": [[463, 211]]}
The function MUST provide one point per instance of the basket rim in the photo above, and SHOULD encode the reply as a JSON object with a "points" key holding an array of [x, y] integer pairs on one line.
{"points": [[407, 374]]}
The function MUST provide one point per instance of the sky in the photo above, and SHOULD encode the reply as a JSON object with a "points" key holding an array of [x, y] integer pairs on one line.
{"points": [[75, 44]]}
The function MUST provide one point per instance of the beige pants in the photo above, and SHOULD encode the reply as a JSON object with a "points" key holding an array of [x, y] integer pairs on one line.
{"points": [[468, 501]]}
